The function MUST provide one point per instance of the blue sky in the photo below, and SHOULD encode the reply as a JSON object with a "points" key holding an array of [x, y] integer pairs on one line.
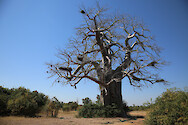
{"points": [[31, 31]]}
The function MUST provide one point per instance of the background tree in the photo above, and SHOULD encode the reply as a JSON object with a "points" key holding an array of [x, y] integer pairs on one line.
{"points": [[86, 101], [53, 107], [106, 49], [73, 106], [98, 99]]}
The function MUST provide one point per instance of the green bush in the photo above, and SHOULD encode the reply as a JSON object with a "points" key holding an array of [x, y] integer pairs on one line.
{"points": [[171, 108], [89, 109], [98, 110], [3, 104], [52, 107], [21, 101], [23, 105], [4, 96], [73, 106], [66, 107], [86, 101]]}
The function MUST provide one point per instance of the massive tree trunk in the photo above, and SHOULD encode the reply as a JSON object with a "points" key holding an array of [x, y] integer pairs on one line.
{"points": [[112, 94]]}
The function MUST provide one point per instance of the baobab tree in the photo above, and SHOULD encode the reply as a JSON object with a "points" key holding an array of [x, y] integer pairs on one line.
{"points": [[107, 49]]}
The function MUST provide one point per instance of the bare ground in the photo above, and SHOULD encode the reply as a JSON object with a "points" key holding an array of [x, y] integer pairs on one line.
{"points": [[68, 118]]}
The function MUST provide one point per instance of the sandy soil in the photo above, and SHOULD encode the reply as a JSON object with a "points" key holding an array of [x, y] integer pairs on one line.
{"points": [[68, 118]]}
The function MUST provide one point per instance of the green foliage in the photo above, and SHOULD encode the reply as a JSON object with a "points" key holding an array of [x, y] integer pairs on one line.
{"points": [[125, 107], [23, 105], [66, 107], [144, 107], [139, 108], [98, 99], [3, 104], [90, 109], [97, 110], [73, 106], [21, 101], [171, 108], [86, 101], [56, 104], [70, 106], [53, 107], [4, 96]]}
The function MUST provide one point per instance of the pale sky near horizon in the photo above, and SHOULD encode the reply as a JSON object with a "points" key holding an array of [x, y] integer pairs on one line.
{"points": [[31, 31]]}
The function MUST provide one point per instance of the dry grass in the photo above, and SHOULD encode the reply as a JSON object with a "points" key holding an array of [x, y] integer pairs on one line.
{"points": [[68, 118], [138, 113]]}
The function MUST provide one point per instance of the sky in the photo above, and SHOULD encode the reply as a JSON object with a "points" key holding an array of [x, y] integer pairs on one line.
{"points": [[32, 31]]}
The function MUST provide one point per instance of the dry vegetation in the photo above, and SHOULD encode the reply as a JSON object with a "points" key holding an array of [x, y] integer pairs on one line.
{"points": [[68, 118]]}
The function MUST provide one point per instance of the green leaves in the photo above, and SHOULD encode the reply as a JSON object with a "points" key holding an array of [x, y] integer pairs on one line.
{"points": [[86, 101], [169, 109], [98, 110], [21, 101]]}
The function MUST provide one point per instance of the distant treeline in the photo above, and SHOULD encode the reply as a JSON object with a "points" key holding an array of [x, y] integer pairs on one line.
{"points": [[144, 107]]}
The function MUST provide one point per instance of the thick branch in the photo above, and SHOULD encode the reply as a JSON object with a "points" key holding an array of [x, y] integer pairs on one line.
{"points": [[95, 80]]}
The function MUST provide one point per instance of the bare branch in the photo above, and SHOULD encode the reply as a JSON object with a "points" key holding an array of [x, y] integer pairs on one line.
{"points": [[106, 44]]}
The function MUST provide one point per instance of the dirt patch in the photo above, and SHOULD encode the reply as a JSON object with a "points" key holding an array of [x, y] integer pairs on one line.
{"points": [[68, 118]]}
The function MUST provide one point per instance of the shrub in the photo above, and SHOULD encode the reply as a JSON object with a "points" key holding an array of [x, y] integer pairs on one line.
{"points": [[3, 104], [86, 101], [66, 107], [23, 105], [98, 110], [53, 107], [171, 108], [98, 99], [4, 97], [73, 106], [125, 107], [21, 101], [89, 109]]}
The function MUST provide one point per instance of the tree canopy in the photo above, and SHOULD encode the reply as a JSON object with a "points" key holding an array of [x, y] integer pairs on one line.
{"points": [[107, 45]]}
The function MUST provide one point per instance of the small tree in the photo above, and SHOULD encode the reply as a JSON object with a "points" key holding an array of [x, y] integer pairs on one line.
{"points": [[73, 105], [98, 99], [106, 49], [53, 107], [86, 101], [66, 107]]}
